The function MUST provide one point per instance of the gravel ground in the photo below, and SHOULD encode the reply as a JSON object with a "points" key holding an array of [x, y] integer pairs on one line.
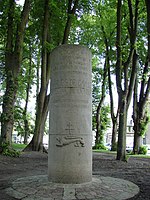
{"points": [[136, 170]]}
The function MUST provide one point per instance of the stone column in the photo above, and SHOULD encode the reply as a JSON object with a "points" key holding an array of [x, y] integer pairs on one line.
{"points": [[70, 136]]}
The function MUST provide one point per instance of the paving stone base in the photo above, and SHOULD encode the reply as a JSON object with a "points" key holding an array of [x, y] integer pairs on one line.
{"points": [[101, 188]]}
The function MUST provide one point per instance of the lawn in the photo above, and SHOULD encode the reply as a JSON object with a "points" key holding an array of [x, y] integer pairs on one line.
{"points": [[18, 147], [114, 152]]}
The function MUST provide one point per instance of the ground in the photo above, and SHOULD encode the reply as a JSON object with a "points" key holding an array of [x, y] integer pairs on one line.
{"points": [[136, 170]]}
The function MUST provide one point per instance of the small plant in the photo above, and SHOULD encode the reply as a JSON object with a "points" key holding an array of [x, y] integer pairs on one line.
{"points": [[143, 150], [143, 125], [7, 150], [100, 147]]}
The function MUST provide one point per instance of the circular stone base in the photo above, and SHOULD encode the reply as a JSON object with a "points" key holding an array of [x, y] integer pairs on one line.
{"points": [[101, 188]]}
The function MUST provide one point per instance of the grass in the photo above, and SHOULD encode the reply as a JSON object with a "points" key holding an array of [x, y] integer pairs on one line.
{"points": [[18, 147], [128, 154], [104, 151]]}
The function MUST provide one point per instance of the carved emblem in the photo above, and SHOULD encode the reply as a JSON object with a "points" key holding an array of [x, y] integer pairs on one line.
{"points": [[66, 140], [69, 128]]}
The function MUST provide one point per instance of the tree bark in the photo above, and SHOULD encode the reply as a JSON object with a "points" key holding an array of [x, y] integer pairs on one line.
{"points": [[114, 134], [72, 6], [98, 137], [26, 124], [13, 58], [98, 130], [125, 92], [139, 112], [113, 116], [36, 143], [121, 148]]}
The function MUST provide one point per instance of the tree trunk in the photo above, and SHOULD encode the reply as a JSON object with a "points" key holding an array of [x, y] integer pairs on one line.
{"points": [[113, 116], [136, 120], [137, 137], [26, 124], [43, 99], [37, 140], [9, 99], [135, 117], [13, 58], [139, 109], [114, 134], [125, 79], [121, 148], [36, 143], [98, 137], [70, 14], [140, 122]]}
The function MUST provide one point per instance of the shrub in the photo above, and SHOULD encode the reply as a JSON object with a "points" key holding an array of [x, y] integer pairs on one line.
{"points": [[100, 146], [143, 150], [7, 150]]}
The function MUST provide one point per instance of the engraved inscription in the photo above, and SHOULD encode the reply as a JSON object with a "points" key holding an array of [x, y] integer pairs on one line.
{"points": [[66, 92], [64, 83], [72, 61]]}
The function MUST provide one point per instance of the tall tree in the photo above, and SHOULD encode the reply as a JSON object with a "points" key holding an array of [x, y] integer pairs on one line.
{"points": [[114, 117], [140, 117], [107, 29], [36, 143], [99, 137], [125, 78], [28, 87], [13, 58]]}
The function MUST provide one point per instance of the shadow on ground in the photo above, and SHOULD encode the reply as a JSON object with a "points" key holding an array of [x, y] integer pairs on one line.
{"points": [[136, 170]]}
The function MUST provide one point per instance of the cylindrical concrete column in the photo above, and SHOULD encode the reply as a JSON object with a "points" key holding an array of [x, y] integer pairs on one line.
{"points": [[70, 136]]}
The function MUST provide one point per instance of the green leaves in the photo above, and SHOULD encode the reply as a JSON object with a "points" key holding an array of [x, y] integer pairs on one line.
{"points": [[7, 150]]}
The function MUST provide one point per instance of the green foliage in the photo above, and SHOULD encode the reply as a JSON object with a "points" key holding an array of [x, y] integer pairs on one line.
{"points": [[100, 147], [105, 121], [19, 121], [143, 125], [143, 150], [105, 118], [97, 75], [89, 22], [7, 150]]}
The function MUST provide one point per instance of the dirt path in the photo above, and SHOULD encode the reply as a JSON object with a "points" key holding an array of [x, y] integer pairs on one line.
{"points": [[136, 170]]}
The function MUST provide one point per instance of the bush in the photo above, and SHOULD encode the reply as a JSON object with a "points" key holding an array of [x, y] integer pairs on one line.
{"points": [[143, 150], [7, 150], [100, 146]]}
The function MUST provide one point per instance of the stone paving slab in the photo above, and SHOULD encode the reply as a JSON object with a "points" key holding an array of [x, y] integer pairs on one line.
{"points": [[100, 188]]}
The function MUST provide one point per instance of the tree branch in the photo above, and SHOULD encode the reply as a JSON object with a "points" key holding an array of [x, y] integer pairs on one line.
{"points": [[118, 46], [9, 44], [69, 20], [133, 77], [22, 25]]}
